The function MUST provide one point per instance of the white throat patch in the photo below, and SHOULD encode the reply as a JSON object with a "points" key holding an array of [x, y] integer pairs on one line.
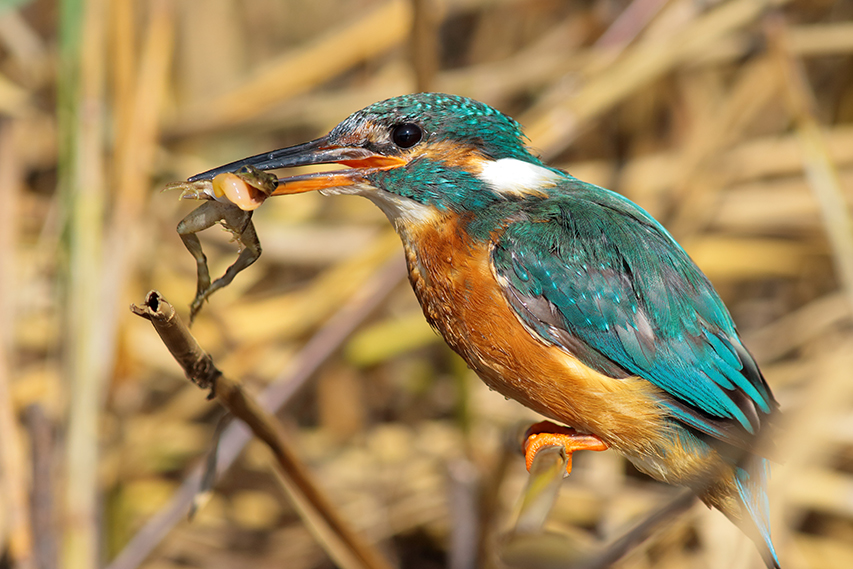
{"points": [[402, 211], [517, 177]]}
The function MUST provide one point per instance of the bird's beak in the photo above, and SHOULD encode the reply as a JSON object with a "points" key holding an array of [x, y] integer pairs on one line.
{"points": [[320, 151]]}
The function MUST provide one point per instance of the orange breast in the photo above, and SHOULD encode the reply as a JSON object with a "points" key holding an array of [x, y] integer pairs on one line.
{"points": [[454, 282]]}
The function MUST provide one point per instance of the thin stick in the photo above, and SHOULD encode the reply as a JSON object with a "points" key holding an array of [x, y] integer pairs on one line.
{"points": [[321, 346], [463, 491], [42, 498], [527, 545], [634, 537], [341, 543], [543, 485]]}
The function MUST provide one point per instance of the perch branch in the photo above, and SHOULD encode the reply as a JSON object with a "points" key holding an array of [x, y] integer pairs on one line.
{"points": [[342, 544]]}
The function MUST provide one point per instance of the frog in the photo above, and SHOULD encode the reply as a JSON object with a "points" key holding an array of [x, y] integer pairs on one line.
{"points": [[229, 200]]}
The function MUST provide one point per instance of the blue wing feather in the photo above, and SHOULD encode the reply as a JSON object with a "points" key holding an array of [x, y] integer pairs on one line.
{"points": [[591, 271]]}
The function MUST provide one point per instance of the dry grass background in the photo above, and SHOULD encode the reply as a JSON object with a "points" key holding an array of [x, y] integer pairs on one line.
{"points": [[731, 121]]}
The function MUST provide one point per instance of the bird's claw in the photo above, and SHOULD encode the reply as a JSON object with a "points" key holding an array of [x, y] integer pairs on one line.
{"points": [[546, 433]]}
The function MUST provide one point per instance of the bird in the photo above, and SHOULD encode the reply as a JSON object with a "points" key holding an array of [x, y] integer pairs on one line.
{"points": [[562, 295]]}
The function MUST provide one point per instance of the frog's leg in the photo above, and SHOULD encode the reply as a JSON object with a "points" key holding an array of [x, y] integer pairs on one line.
{"points": [[235, 220]]}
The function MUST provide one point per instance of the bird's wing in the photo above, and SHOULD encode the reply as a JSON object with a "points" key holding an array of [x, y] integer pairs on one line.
{"points": [[593, 273]]}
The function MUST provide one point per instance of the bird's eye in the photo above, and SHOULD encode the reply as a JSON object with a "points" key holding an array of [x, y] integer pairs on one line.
{"points": [[406, 135]]}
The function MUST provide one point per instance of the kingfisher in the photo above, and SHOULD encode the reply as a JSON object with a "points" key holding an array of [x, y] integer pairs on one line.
{"points": [[562, 295]]}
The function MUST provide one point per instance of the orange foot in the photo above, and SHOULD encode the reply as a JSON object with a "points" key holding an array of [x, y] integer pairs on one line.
{"points": [[546, 433]]}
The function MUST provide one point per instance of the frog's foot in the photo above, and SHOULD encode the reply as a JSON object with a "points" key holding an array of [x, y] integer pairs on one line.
{"points": [[235, 220]]}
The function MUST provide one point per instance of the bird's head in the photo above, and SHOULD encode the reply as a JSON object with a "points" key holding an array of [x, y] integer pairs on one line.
{"points": [[414, 155]]}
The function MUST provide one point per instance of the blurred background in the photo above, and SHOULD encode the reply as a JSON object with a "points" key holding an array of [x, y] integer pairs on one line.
{"points": [[730, 121]]}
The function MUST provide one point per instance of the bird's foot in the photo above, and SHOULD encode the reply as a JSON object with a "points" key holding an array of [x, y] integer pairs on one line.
{"points": [[546, 433]]}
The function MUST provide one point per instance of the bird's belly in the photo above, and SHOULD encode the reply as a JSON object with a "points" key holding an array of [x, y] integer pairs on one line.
{"points": [[463, 301]]}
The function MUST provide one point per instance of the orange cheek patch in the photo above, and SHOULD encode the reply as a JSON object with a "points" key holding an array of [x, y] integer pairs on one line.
{"points": [[237, 191], [453, 155]]}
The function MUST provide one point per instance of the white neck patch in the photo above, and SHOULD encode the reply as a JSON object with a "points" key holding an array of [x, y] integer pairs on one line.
{"points": [[517, 177]]}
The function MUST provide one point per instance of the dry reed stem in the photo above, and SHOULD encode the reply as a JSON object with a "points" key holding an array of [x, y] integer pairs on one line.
{"points": [[426, 17], [799, 327], [538, 498], [820, 39], [302, 69], [464, 497], [88, 364], [761, 161], [136, 144], [123, 46], [26, 47], [696, 183], [100, 256], [631, 539], [530, 68], [828, 394], [805, 482], [14, 488], [42, 492], [13, 99], [526, 545], [819, 167], [636, 16], [552, 128]]}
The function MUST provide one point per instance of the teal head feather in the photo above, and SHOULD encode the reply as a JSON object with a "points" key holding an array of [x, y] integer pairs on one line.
{"points": [[446, 118]]}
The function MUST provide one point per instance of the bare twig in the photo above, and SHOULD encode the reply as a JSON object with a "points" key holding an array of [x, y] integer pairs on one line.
{"points": [[464, 483], [543, 485], [42, 500], [321, 346], [529, 545], [340, 542], [642, 531]]}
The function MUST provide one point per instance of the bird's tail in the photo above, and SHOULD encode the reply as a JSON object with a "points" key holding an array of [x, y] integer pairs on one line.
{"points": [[751, 482]]}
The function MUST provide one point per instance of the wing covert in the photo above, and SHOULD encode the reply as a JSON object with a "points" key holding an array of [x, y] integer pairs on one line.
{"points": [[593, 273]]}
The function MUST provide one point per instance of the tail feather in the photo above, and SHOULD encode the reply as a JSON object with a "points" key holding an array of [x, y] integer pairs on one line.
{"points": [[751, 484]]}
